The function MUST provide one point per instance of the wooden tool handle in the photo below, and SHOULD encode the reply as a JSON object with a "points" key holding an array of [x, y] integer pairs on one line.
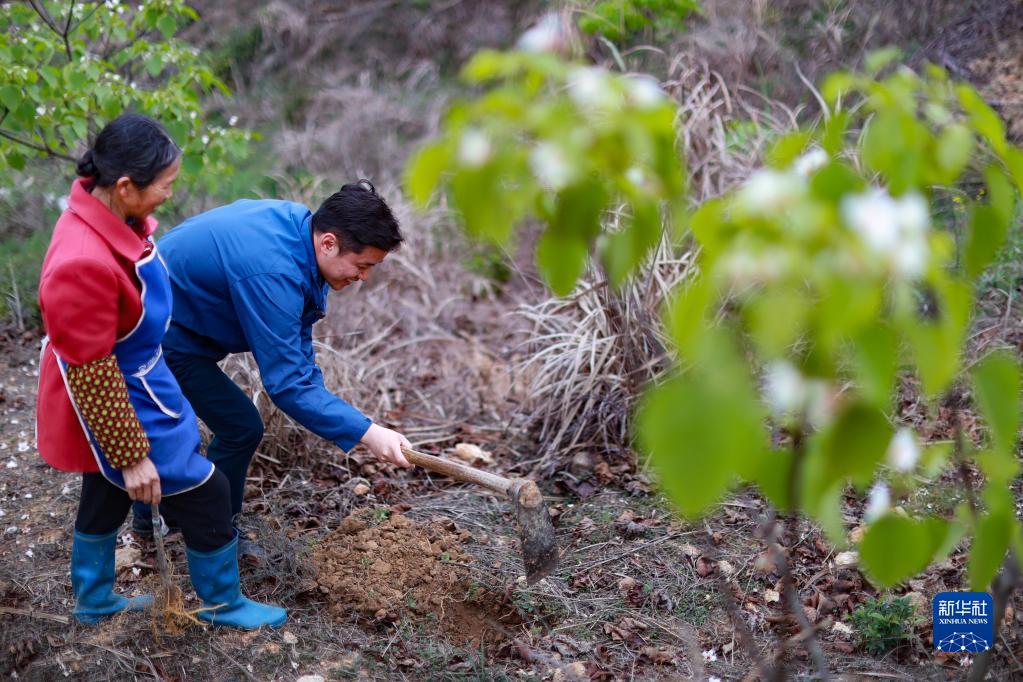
{"points": [[498, 484]]}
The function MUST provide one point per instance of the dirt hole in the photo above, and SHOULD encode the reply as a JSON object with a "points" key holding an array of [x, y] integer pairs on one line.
{"points": [[391, 569]]}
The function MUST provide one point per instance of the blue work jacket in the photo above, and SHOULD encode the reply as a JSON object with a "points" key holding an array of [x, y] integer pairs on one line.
{"points": [[244, 278]]}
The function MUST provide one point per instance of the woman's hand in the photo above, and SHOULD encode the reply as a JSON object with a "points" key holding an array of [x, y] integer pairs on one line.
{"points": [[386, 445], [142, 481]]}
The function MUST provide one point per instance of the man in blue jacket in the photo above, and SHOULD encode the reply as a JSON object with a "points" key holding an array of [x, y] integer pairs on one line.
{"points": [[254, 276]]}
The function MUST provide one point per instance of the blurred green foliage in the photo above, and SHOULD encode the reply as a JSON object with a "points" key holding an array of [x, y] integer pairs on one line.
{"points": [[818, 281], [622, 20], [564, 143], [66, 68]]}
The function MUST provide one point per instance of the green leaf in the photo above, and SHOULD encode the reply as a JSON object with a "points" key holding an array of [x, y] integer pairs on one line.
{"points": [[876, 352], [877, 60], [561, 258], [11, 97], [990, 542], [787, 148], [996, 380], [895, 548], [835, 181], [697, 427], [776, 318], [688, 315], [955, 146], [167, 25], [855, 443], [987, 233], [424, 170]]}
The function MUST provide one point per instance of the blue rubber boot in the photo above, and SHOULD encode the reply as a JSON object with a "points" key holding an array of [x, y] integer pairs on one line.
{"points": [[92, 579], [216, 581]]}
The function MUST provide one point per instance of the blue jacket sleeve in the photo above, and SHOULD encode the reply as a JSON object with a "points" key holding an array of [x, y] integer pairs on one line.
{"points": [[268, 308]]}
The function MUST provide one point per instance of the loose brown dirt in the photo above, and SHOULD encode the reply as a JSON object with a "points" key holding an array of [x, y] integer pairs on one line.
{"points": [[401, 570]]}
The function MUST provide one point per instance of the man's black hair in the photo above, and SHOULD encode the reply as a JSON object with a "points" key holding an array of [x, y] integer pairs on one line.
{"points": [[131, 145], [358, 217]]}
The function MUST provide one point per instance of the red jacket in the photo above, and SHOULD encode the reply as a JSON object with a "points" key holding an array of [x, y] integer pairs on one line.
{"points": [[89, 297]]}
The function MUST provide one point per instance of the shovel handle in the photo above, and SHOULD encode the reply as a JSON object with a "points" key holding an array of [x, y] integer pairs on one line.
{"points": [[498, 484]]}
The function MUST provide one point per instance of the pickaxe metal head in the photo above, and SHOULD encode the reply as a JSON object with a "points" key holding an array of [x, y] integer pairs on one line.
{"points": [[539, 546]]}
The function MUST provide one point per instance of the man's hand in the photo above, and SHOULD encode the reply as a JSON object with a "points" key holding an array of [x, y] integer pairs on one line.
{"points": [[386, 445], [142, 481]]}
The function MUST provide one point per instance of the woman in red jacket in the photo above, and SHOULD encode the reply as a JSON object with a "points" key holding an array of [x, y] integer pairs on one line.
{"points": [[108, 405]]}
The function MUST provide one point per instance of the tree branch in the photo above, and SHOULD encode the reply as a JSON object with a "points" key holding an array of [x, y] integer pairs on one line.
{"points": [[38, 147]]}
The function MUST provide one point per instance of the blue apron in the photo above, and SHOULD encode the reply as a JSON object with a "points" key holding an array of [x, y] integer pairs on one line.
{"points": [[166, 417]]}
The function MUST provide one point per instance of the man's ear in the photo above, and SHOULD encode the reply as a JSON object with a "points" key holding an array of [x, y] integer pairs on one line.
{"points": [[327, 242]]}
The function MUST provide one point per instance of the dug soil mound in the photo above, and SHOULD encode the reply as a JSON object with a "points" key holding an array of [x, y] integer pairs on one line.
{"points": [[399, 570]]}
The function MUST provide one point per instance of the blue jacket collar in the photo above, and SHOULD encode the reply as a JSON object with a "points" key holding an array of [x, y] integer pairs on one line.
{"points": [[319, 284]]}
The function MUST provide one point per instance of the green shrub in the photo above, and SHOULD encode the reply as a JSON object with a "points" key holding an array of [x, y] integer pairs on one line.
{"points": [[883, 625]]}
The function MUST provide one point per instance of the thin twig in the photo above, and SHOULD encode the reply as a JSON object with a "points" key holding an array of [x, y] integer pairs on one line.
{"points": [[32, 613]]}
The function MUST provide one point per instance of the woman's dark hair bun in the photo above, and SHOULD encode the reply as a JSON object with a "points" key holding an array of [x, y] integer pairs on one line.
{"points": [[86, 166], [131, 145]]}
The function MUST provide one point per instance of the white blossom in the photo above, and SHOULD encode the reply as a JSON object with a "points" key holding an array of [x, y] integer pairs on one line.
{"points": [[878, 502], [710, 656], [644, 91], [232, 121], [591, 88], [550, 166], [784, 387], [474, 148], [903, 451], [192, 115], [23, 446], [548, 35], [895, 229], [205, 139], [28, 553], [810, 162], [770, 190], [12, 463]]}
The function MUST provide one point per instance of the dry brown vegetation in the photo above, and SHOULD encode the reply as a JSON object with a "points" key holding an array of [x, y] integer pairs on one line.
{"points": [[454, 342]]}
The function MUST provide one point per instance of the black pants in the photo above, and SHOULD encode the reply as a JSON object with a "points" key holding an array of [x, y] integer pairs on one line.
{"points": [[203, 513]]}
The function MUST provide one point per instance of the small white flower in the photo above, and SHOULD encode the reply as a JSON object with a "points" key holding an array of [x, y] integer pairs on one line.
{"points": [[2, 513], [548, 35], [28, 496], [12, 463], [127, 539], [878, 502], [771, 190], [591, 88], [644, 91], [903, 451], [28, 553], [874, 217], [550, 166], [192, 115], [66, 490], [205, 139], [23, 446], [636, 176], [23, 517], [136, 571], [713, 679], [710, 656], [810, 162], [41, 111], [232, 121], [474, 149], [785, 388]]}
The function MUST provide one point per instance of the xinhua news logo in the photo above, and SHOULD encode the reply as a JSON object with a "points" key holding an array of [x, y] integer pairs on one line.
{"points": [[963, 621]]}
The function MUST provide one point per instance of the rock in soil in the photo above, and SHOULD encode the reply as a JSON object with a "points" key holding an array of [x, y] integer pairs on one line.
{"points": [[398, 569]]}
